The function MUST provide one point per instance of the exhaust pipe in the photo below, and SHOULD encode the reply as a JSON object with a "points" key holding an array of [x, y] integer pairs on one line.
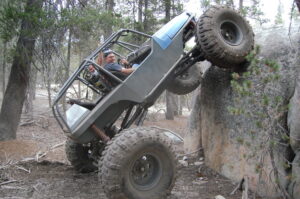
{"points": [[100, 133]]}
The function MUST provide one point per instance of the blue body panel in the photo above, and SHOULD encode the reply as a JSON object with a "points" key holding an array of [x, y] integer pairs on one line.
{"points": [[165, 35]]}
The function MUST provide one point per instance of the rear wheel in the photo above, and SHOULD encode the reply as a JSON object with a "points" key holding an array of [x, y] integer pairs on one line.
{"points": [[138, 163], [224, 36], [186, 82], [80, 157]]}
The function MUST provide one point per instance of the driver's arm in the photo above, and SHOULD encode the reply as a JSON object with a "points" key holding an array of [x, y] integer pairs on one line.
{"points": [[127, 71], [100, 59]]}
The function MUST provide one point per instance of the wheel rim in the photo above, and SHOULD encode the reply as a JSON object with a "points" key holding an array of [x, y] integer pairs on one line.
{"points": [[231, 33], [146, 172]]}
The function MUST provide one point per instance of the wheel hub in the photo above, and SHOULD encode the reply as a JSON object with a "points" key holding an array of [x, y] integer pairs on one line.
{"points": [[231, 33], [145, 172]]}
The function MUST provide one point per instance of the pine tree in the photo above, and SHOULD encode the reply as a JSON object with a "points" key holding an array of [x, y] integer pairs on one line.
{"points": [[278, 17]]}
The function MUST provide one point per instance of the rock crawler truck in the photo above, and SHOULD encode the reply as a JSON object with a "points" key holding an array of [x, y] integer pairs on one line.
{"points": [[140, 162]]}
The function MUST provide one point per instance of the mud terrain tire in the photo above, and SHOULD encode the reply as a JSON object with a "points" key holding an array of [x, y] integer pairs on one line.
{"points": [[224, 36], [187, 82], [79, 158], [138, 163]]}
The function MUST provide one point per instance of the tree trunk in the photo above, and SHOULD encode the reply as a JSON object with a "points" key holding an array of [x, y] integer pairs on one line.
{"points": [[192, 139], [47, 80], [4, 68], [67, 68], [241, 4], [175, 103], [181, 101], [140, 11], [170, 106], [109, 6], [34, 79], [79, 85], [30, 95], [173, 8], [298, 4], [146, 18], [139, 24], [167, 10], [169, 96], [19, 76], [47, 67]]}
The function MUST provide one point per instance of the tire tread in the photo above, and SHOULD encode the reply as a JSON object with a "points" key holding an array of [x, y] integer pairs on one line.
{"points": [[214, 51]]}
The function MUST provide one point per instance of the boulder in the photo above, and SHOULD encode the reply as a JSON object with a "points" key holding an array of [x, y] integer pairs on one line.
{"points": [[233, 144], [294, 130]]}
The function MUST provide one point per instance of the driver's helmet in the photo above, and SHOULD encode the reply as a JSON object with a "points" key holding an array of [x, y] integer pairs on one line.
{"points": [[107, 52]]}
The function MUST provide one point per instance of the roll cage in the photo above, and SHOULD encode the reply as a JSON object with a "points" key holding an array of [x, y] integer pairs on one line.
{"points": [[114, 39]]}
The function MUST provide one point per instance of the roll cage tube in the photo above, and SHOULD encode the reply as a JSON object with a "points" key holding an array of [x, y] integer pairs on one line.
{"points": [[112, 40]]}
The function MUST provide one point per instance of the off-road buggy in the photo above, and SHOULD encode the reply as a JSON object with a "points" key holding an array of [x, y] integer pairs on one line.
{"points": [[141, 162]]}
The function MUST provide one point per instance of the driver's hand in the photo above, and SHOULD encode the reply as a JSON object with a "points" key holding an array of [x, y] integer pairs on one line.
{"points": [[71, 101], [124, 62]]}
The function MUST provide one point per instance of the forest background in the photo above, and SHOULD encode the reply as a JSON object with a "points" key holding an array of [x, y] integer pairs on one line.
{"points": [[43, 41]]}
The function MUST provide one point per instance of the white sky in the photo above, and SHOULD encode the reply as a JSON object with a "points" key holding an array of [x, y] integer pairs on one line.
{"points": [[269, 7]]}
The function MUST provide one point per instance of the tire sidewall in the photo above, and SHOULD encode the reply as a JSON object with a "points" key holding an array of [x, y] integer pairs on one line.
{"points": [[231, 16]]}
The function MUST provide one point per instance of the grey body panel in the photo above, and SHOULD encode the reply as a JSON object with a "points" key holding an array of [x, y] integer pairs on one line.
{"points": [[142, 87]]}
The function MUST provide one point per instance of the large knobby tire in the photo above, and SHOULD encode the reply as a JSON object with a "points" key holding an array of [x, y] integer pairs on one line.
{"points": [[187, 82], [138, 163], [78, 155], [224, 36]]}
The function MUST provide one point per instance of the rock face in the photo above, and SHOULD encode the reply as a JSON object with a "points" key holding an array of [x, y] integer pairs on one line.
{"points": [[234, 145], [294, 129]]}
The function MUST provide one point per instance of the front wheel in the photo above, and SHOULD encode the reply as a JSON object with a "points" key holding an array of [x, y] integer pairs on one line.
{"points": [[224, 36], [138, 163]]}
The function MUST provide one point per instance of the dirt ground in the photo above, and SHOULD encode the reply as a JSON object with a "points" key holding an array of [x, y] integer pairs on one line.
{"points": [[35, 165]]}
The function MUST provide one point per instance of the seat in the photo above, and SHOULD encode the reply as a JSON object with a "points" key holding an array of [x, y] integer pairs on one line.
{"points": [[140, 54]]}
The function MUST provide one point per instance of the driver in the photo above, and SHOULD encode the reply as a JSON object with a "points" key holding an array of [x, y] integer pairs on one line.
{"points": [[112, 66]]}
